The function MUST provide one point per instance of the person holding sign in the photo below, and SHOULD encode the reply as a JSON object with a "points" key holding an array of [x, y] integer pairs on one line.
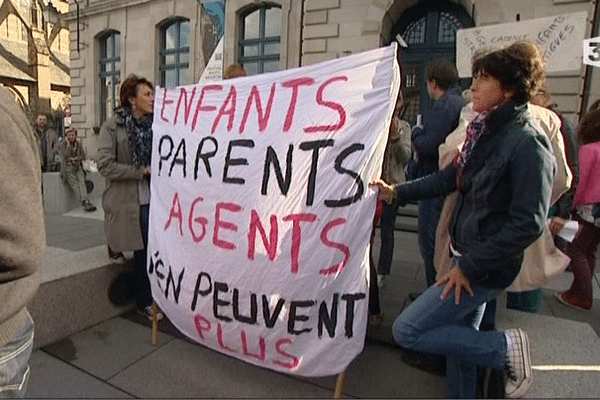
{"points": [[124, 160], [504, 155]]}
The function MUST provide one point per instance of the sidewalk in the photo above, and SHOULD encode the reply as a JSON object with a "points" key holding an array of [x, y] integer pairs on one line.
{"points": [[115, 358]]}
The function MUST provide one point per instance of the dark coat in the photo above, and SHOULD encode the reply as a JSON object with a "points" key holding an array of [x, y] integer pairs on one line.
{"points": [[504, 195], [442, 120]]}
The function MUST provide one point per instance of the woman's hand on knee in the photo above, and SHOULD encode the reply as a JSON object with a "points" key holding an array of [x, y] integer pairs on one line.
{"points": [[457, 281]]}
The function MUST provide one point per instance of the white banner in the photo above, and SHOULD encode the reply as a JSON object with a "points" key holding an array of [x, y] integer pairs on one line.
{"points": [[261, 209], [559, 37]]}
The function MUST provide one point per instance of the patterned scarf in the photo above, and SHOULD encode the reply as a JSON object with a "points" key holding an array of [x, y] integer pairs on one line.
{"points": [[475, 130], [140, 136]]}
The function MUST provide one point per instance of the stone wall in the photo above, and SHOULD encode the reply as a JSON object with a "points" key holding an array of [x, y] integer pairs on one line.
{"points": [[312, 31], [138, 23]]}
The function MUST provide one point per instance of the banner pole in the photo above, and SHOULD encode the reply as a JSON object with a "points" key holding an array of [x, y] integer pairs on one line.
{"points": [[339, 385], [154, 324]]}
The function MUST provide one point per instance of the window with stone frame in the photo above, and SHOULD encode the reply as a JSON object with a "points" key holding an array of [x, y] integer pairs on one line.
{"points": [[109, 67], [260, 37], [174, 54]]}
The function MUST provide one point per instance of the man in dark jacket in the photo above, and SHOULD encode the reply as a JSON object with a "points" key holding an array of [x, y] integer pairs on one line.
{"points": [[48, 143], [442, 79]]}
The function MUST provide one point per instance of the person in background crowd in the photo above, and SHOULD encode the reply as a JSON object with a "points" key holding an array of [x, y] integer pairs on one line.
{"points": [[71, 167], [587, 212], [504, 156], [48, 144], [442, 78], [22, 242], [124, 160], [562, 136], [67, 118], [234, 71], [397, 153]]}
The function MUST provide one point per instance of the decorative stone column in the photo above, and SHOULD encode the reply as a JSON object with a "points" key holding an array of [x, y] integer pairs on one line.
{"points": [[39, 61]]}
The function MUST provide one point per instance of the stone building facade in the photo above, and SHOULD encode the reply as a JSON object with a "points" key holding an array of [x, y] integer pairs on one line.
{"points": [[279, 34], [34, 55]]}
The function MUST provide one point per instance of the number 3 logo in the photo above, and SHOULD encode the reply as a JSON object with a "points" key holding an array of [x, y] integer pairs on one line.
{"points": [[591, 51]]}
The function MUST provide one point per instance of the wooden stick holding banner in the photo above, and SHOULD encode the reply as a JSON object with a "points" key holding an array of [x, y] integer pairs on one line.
{"points": [[154, 324], [339, 385]]}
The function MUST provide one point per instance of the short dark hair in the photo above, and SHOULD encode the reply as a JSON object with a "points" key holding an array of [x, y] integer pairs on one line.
{"points": [[595, 105], [518, 67], [588, 130], [129, 88], [444, 73]]}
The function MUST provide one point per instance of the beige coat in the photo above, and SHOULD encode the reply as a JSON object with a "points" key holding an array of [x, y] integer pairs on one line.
{"points": [[71, 155], [543, 248], [23, 239], [121, 198], [397, 152]]}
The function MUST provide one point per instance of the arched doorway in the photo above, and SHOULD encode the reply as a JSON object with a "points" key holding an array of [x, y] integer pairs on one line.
{"points": [[429, 28], [19, 98]]}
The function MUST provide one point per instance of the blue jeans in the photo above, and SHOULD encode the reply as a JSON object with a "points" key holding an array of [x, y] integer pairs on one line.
{"points": [[14, 371], [386, 229], [143, 293], [431, 325], [429, 215]]}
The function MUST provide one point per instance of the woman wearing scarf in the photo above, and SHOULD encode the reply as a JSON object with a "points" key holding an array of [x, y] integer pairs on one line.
{"points": [[504, 176], [124, 160]]}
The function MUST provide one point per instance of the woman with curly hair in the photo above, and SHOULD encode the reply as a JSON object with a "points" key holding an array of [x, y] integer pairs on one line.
{"points": [[504, 176]]}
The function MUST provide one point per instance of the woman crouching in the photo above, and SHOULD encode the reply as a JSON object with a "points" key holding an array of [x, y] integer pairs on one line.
{"points": [[504, 176]]}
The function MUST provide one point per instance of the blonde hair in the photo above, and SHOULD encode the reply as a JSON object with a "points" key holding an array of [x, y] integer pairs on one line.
{"points": [[234, 71]]}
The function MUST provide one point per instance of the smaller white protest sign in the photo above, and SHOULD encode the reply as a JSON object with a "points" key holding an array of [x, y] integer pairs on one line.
{"points": [[591, 51], [558, 37], [214, 69]]}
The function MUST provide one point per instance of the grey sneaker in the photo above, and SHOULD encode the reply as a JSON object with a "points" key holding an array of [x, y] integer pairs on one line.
{"points": [[518, 364]]}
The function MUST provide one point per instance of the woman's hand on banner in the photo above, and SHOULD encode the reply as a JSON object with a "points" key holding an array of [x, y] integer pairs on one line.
{"points": [[386, 192]]}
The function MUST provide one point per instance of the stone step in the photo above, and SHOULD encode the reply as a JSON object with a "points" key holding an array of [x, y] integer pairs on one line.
{"points": [[58, 196], [70, 304]]}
